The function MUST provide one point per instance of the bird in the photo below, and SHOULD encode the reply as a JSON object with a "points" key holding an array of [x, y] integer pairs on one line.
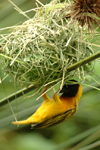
{"points": [[56, 110]]}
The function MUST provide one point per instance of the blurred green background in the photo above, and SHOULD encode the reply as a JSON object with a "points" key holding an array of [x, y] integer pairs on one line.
{"points": [[81, 130]]}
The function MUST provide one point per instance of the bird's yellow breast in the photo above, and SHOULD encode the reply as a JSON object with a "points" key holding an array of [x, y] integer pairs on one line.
{"points": [[51, 108]]}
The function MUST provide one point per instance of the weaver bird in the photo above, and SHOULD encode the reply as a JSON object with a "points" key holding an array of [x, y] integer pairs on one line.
{"points": [[56, 110]]}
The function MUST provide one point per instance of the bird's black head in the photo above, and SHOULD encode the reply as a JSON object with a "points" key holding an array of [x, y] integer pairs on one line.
{"points": [[70, 89]]}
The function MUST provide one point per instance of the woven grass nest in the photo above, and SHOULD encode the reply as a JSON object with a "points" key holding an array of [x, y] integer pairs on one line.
{"points": [[39, 51]]}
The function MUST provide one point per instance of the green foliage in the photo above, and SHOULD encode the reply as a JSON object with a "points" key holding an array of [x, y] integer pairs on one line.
{"points": [[81, 131], [39, 51]]}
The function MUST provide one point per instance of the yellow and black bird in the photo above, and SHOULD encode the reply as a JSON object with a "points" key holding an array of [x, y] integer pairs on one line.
{"points": [[56, 110]]}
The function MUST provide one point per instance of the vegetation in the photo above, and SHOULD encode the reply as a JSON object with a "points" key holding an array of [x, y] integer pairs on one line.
{"points": [[83, 130]]}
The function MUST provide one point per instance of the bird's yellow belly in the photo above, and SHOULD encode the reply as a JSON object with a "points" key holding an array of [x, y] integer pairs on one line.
{"points": [[51, 109]]}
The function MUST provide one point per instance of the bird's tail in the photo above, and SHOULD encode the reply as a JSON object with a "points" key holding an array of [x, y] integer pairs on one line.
{"points": [[23, 122], [20, 122]]}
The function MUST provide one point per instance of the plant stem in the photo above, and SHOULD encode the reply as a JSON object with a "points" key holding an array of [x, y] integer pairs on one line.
{"points": [[77, 138], [91, 146], [16, 95], [31, 87], [83, 62]]}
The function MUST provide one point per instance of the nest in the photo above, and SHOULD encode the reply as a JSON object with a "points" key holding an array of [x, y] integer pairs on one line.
{"points": [[39, 51]]}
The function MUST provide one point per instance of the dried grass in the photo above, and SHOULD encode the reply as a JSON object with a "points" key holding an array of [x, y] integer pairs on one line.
{"points": [[39, 51]]}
